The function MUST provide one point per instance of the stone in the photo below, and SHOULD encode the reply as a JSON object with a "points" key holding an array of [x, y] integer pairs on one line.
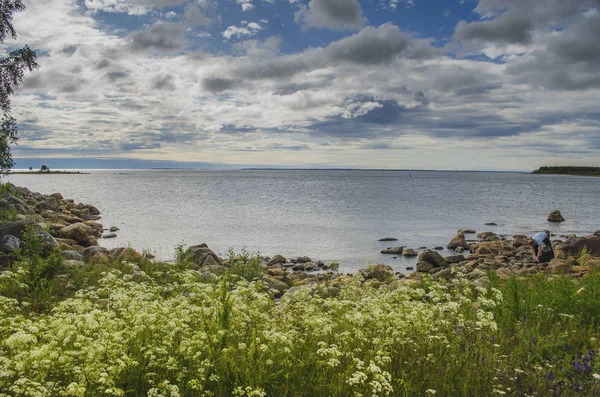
{"points": [[310, 266], [73, 264], [78, 232], [394, 250], [485, 235], [98, 252], [277, 259], [438, 248], [491, 224], [409, 252], [126, 254], [303, 259], [298, 267], [276, 272], [445, 274], [491, 247], [519, 240], [458, 241], [469, 231], [16, 228], [434, 258], [113, 229], [575, 247], [504, 273], [558, 266], [378, 272], [455, 258], [49, 242], [202, 256], [275, 284], [109, 235], [555, 216], [92, 210], [424, 267], [57, 196], [459, 250], [72, 255], [9, 244], [97, 228], [388, 239]]}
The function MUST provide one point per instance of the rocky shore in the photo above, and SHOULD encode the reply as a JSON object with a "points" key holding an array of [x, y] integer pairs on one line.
{"points": [[74, 228]]}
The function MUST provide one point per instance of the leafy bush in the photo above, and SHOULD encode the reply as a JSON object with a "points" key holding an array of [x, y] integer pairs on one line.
{"points": [[245, 265]]}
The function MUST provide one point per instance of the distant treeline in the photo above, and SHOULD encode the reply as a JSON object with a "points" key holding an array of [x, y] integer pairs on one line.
{"points": [[570, 170]]}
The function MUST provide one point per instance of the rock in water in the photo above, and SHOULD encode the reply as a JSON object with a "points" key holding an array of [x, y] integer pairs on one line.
{"points": [[277, 259], [394, 250], [459, 241], [410, 252], [388, 239], [555, 216], [433, 257]]}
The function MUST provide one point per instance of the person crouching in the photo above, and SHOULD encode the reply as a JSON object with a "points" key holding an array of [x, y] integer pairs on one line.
{"points": [[541, 247]]}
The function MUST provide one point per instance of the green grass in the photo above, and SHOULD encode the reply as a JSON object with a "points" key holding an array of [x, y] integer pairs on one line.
{"points": [[149, 328]]}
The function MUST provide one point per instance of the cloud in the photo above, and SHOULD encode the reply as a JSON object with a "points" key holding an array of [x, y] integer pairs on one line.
{"points": [[131, 7], [331, 14], [509, 28], [250, 29], [246, 4], [216, 84], [195, 17], [161, 37]]}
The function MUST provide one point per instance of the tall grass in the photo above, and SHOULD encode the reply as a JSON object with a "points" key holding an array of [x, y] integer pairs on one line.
{"points": [[157, 329]]}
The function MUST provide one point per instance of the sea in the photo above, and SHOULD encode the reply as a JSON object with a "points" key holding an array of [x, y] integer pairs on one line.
{"points": [[328, 215]]}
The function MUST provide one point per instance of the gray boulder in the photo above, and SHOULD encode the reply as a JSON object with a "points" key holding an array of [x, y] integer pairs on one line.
{"points": [[424, 267], [16, 228], [394, 250], [72, 256], [277, 259], [95, 251], [9, 244]]}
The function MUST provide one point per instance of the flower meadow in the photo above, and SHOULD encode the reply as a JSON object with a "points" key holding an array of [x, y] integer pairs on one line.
{"points": [[146, 328]]}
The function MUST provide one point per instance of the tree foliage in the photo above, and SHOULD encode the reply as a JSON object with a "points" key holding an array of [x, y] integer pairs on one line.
{"points": [[12, 71]]}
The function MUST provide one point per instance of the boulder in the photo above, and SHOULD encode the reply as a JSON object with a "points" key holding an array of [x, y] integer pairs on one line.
{"points": [[424, 267], [491, 247], [277, 259], [9, 244], [72, 256], [276, 272], [575, 247], [113, 229], [519, 240], [310, 266], [458, 241], [455, 259], [434, 258], [109, 235], [92, 210], [57, 196], [445, 274], [504, 273], [394, 250], [485, 235], [16, 228], [469, 231], [125, 254], [558, 266], [277, 285], [555, 216], [490, 224], [49, 243], [78, 232], [97, 255], [378, 272], [303, 259], [202, 256], [409, 252], [388, 239]]}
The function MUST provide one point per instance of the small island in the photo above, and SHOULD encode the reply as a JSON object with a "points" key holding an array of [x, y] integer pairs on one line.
{"points": [[44, 170], [569, 170]]}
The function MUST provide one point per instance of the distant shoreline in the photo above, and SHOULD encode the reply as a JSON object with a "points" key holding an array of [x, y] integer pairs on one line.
{"points": [[568, 170], [46, 172]]}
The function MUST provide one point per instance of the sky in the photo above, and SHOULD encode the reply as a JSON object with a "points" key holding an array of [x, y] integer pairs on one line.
{"points": [[393, 84]]}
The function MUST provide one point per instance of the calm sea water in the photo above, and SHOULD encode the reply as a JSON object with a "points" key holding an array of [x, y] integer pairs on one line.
{"points": [[327, 215]]}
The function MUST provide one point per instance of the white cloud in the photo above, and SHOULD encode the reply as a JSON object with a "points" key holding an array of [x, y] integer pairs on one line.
{"points": [[246, 4], [170, 15], [250, 29]]}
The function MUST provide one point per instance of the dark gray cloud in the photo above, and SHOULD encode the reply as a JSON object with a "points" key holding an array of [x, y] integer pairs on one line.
{"points": [[117, 75], [570, 60], [69, 49], [164, 82], [509, 28], [216, 84], [332, 14], [160, 37], [370, 46]]}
